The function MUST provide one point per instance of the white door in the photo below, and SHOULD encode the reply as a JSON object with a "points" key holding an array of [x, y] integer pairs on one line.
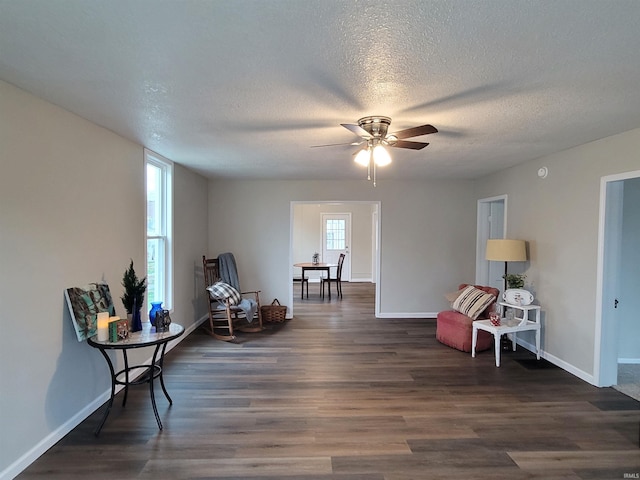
{"points": [[336, 239], [491, 224]]}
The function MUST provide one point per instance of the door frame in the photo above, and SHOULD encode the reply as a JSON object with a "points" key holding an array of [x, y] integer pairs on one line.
{"points": [[482, 235], [605, 355], [377, 217]]}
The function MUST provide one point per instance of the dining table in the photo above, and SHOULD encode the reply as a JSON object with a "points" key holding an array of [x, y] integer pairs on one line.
{"points": [[326, 267]]}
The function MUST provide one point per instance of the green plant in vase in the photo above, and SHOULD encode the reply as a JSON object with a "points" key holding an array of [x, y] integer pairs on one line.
{"points": [[133, 298], [515, 280]]}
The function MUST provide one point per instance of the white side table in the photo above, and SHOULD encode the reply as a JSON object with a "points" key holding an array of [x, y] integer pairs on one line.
{"points": [[518, 324]]}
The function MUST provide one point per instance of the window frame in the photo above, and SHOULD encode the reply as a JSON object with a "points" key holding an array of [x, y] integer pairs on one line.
{"points": [[165, 233], [340, 238]]}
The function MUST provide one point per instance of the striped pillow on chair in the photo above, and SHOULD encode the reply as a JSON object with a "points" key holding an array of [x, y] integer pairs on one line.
{"points": [[472, 302], [221, 291]]}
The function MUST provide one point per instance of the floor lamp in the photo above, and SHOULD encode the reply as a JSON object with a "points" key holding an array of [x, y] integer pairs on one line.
{"points": [[504, 250]]}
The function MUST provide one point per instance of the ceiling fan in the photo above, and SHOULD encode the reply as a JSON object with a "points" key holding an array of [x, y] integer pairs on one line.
{"points": [[374, 131], [376, 127]]}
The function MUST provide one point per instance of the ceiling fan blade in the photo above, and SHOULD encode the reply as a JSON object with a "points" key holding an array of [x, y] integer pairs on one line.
{"points": [[408, 144], [415, 131], [357, 129], [337, 144]]}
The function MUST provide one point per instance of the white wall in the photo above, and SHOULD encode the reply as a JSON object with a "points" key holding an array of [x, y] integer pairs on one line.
{"points": [[72, 212], [559, 218], [427, 235], [189, 244]]}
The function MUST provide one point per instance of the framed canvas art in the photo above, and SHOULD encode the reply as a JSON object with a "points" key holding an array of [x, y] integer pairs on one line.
{"points": [[84, 305]]}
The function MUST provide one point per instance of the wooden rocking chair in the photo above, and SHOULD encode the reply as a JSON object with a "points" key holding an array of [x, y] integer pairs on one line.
{"points": [[223, 316]]}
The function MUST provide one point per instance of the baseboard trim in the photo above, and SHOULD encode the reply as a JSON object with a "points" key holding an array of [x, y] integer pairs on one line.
{"points": [[582, 375], [632, 361], [425, 315], [55, 436]]}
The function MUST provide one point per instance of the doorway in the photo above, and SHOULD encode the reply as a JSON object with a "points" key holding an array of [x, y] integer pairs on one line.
{"points": [[618, 283], [306, 238], [491, 223]]}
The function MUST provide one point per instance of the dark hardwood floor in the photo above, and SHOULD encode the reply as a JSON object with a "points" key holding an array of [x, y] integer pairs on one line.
{"points": [[337, 394]]}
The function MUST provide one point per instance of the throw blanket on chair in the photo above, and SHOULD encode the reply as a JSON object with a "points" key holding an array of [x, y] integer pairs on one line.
{"points": [[229, 274], [228, 270], [250, 307]]}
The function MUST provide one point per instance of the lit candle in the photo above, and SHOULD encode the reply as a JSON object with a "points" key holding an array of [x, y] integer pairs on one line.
{"points": [[103, 326]]}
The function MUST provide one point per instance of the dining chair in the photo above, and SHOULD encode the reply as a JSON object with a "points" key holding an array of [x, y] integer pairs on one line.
{"points": [[337, 279], [303, 281]]}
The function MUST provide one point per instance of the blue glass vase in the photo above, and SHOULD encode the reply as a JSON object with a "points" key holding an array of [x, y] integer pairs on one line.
{"points": [[136, 322], [155, 307]]}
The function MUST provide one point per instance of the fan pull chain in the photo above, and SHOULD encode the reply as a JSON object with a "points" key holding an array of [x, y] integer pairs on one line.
{"points": [[374, 171]]}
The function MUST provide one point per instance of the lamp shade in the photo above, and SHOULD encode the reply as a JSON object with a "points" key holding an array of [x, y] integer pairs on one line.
{"points": [[381, 156], [504, 250], [362, 158]]}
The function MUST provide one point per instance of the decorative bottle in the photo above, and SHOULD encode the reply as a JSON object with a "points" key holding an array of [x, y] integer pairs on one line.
{"points": [[136, 321]]}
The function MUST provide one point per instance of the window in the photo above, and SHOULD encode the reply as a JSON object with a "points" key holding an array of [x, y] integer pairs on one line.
{"points": [[159, 229], [336, 234]]}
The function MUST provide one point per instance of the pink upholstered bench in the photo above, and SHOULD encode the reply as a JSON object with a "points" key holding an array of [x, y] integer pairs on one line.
{"points": [[454, 329]]}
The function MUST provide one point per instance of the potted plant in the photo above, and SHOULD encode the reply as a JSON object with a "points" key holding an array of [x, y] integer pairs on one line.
{"points": [[133, 297], [515, 280]]}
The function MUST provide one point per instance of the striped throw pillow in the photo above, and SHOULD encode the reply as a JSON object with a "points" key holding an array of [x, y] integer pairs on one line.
{"points": [[221, 291], [472, 302]]}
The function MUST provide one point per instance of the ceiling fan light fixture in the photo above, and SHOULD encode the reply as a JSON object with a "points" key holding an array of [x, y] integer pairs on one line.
{"points": [[380, 156], [391, 140], [363, 156], [373, 130]]}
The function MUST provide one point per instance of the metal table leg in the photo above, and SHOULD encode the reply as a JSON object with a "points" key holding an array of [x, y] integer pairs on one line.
{"points": [[113, 392]]}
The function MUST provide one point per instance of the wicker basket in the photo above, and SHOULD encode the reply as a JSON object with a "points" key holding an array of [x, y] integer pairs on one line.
{"points": [[274, 312]]}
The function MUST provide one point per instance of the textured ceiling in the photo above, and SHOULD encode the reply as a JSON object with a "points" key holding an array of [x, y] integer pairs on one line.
{"points": [[243, 88]]}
